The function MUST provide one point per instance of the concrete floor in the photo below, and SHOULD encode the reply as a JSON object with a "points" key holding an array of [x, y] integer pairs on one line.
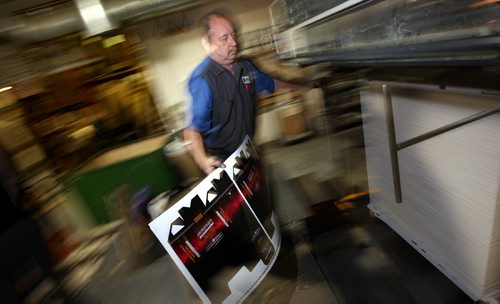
{"points": [[331, 252], [361, 258]]}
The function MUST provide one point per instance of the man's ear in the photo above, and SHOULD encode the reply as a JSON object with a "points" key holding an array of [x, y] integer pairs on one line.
{"points": [[205, 43]]}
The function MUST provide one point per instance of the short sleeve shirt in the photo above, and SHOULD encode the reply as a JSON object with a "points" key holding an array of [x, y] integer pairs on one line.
{"points": [[222, 106]]}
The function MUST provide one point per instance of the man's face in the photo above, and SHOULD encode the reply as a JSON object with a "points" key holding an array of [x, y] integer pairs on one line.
{"points": [[222, 41]]}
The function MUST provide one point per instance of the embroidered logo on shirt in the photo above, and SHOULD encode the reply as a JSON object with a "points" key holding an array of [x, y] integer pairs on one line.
{"points": [[247, 82]]}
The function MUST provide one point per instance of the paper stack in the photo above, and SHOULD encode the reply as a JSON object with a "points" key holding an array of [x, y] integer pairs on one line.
{"points": [[450, 183]]}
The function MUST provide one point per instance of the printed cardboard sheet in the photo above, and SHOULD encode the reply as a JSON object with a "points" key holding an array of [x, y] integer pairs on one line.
{"points": [[223, 235]]}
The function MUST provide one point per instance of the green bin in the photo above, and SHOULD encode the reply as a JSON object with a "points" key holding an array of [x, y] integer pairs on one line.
{"points": [[136, 165]]}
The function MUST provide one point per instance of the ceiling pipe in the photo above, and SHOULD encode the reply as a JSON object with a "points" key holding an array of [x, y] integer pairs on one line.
{"points": [[66, 19], [61, 20]]}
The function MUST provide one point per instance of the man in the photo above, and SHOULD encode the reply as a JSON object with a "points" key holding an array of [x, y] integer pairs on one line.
{"points": [[223, 90]]}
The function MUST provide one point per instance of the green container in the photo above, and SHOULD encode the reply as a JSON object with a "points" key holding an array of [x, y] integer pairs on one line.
{"points": [[135, 166]]}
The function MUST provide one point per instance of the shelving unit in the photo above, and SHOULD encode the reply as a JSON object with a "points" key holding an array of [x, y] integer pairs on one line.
{"points": [[58, 113], [342, 105], [35, 169]]}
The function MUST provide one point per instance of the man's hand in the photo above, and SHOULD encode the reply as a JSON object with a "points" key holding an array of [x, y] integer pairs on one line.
{"points": [[210, 163], [206, 163]]}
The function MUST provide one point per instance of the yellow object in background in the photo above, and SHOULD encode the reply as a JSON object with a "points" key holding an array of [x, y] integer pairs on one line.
{"points": [[109, 42]]}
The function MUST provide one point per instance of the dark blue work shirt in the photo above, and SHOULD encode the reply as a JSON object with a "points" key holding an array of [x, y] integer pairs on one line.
{"points": [[223, 105]]}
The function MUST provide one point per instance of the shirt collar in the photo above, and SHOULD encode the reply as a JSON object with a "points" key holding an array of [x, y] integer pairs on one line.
{"points": [[219, 69]]}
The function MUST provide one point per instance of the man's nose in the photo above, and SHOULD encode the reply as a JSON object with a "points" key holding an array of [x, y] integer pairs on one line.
{"points": [[232, 41]]}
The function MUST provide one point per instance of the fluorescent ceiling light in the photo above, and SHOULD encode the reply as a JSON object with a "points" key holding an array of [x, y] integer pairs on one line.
{"points": [[5, 89], [93, 15]]}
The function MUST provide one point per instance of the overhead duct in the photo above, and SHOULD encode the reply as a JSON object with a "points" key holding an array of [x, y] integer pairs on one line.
{"points": [[60, 20], [66, 18]]}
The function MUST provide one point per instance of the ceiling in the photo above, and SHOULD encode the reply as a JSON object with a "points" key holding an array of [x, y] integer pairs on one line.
{"points": [[34, 21], [25, 23]]}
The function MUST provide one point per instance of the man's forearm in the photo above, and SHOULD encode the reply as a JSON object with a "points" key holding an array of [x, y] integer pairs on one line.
{"points": [[205, 162], [283, 85], [197, 149]]}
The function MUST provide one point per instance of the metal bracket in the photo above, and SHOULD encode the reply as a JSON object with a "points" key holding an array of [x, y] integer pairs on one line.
{"points": [[394, 146]]}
